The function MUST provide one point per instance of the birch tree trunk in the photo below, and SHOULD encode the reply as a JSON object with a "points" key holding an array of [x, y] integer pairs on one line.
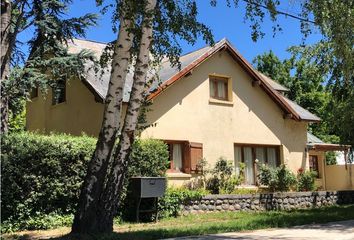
{"points": [[110, 199], [86, 219], [5, 62]]}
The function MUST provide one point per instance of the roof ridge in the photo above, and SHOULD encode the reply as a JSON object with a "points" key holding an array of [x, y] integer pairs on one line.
{"points": [[89, 40]]}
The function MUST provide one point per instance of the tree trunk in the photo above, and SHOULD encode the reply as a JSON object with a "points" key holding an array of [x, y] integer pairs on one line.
{"points": [[110, 199], [5, 62], [86, 219]]}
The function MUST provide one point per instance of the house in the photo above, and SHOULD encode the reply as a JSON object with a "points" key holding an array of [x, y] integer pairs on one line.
{"points": [[216, 106]]}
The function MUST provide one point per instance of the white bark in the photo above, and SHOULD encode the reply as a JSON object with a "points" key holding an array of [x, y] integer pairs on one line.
{"points": [[85, 218], [116, 178]]}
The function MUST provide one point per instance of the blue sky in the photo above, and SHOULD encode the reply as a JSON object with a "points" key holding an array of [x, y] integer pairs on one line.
{"points": [[223, 21]]}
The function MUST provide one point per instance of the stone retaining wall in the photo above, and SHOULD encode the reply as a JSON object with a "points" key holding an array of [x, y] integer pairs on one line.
{"points": [[268, 201]]}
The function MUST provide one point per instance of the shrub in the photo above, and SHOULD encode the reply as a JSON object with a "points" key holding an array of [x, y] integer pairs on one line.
{"points": [[222, 180], [149, 157], [213, 185], [170, 204], [306, 181], [42, 175], [37, 222], [278, 179], [285, 179], [266, 175]]}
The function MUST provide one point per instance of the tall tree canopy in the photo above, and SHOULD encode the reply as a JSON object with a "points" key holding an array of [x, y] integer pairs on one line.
{"points": [[307, 86], [48, 59]]}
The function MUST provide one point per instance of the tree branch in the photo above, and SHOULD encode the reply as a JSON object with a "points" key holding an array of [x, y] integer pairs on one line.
{"points": [[281, 12]]}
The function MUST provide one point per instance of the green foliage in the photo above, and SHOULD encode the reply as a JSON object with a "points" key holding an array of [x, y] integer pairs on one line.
{"points": [[170, 204], [48, 59], [306, 181], [285, 179], [331, 158], [42, 175], [277, 179], [17, 122], [266, 175], [149, 158], [37, 221], [305, 82], [223, 180]]}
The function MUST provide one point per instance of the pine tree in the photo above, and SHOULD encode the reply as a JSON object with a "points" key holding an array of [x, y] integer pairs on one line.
{"points": [[48, 59]]}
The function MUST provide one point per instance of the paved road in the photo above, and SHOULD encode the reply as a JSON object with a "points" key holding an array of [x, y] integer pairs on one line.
{"points": [[330, 231]]}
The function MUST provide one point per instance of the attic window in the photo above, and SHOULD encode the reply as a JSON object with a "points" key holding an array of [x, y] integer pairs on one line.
{"points": [[59, 93], [220, 88]]}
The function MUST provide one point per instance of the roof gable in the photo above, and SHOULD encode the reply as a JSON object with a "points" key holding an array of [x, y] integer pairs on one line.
{"points": [[98, 82]]}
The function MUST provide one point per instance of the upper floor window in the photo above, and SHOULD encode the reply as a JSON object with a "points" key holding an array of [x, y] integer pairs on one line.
{"points": [[34, 93], [59, 93], [219, 88]]}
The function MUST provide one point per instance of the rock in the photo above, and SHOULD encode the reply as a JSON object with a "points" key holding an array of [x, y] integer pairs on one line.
{"points": [[225, 206], [237, 207], [196, 207], [218, 208], [218, 202], [291, 201]]}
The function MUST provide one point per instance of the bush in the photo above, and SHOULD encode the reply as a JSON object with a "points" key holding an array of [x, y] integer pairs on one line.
{"points": [[306, 181], [37, 222], [149, 158], [223, 180], [266, 175], [170, 204], [278, 179], [42, 175], [285, 179]]}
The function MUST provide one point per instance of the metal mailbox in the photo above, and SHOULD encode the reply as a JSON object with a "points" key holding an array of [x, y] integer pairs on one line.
{"points": [[148, 187]]}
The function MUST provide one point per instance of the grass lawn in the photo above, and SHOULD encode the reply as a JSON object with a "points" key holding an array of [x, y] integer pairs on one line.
{"points": [[206, 224]]}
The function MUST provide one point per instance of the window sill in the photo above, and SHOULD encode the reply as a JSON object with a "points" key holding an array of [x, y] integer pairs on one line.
{"points": [[178, 175], [58, 105], [220, 102]]}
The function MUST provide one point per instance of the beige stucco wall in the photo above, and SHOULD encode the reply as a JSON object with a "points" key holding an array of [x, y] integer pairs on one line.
{"points": [[339, 178], [79, 114], [184, 112]]}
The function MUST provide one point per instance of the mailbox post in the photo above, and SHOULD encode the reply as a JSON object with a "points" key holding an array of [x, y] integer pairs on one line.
{"points": [[147, 187]]}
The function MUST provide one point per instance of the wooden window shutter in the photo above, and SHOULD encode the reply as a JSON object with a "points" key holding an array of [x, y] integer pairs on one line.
{"points": [[196, 154], [186, 164]]}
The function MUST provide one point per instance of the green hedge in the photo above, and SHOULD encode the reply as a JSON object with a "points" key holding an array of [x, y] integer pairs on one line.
{"points": [[42, 175]]}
